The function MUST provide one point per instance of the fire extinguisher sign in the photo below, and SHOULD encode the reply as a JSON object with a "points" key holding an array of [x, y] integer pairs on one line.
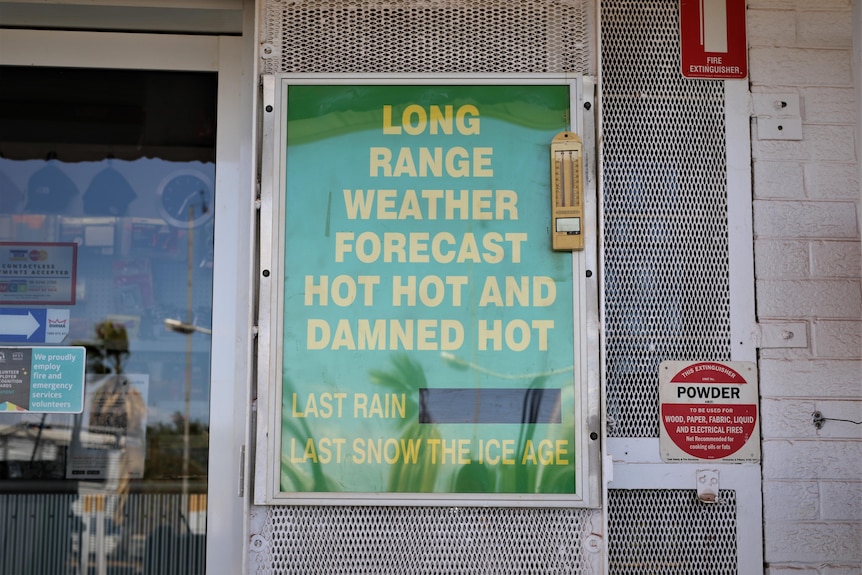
{"points": [[713, 41], [709, 411]]}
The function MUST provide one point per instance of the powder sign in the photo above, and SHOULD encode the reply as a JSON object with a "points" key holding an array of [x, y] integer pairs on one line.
{"points": [[709, 411]]}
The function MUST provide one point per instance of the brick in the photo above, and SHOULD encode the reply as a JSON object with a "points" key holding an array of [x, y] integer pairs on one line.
{"points": [[789, 219], [841, 500], [833, 569], [774, 569], [812, 542], [829, 105], [824, 4], [837, 259], [821, 569], [814, 378], [778, 150], [784, 180], [790, 4], [771, 27], [797, 299], [800, 66], [840, 419], [786, 418], [791, 501], [761, 4], [842, 339], [831, 181], [811, 459], [832, 143], [781, 259], [829, 29], [786, 354]]}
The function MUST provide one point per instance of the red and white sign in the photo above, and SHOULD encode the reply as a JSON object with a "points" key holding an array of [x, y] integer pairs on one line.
{"points": [[712, 39], [709, 411]]}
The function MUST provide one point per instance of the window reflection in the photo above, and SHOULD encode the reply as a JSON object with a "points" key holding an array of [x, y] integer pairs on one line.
{"points": [[120, 167]]}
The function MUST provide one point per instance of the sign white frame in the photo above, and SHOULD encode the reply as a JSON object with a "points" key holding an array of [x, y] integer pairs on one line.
{"points": [[709, 409], [268, 447]]}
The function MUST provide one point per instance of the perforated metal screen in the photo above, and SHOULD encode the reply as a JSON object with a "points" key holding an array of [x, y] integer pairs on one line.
{"points": [[437, 541], [664, 211], [501, 36], [667, 532]]}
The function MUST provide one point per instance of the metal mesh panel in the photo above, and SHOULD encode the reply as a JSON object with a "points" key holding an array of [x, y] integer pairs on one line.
{"points": [[454, 36], [416, 540], [668, 532], [666, 284]]}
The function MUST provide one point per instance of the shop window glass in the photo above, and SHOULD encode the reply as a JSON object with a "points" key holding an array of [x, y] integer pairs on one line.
{"points": [[106, 247]]}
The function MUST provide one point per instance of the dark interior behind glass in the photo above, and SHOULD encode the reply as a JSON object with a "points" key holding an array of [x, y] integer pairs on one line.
{"points": [[116, 167]]}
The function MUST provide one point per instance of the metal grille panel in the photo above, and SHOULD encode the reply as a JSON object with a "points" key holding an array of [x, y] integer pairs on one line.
{"points": [[668, 532], [664, 211], [430, 36], [419, 540]]}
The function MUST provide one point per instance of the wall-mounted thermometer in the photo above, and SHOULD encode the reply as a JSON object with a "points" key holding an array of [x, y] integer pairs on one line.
{"points": [[567, 192]]}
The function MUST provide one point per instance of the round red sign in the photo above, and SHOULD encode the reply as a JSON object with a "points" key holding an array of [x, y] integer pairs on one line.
{"points": [[707, 414]]}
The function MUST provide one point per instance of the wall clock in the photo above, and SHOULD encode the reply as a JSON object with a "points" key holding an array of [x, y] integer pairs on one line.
{"points": [[186, 198]]}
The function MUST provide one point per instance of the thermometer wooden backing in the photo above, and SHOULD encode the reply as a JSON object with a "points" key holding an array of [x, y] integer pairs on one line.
{"points": [[567, 192]]}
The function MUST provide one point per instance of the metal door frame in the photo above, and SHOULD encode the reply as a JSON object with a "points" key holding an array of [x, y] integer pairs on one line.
{"points": [[635, 463]]}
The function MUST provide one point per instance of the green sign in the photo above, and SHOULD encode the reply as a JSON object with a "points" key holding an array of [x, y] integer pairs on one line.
{"points": [[428, 339], [42, 379]]}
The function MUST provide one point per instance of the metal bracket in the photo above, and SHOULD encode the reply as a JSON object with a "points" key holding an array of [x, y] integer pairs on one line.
{"points": [[778, 116], [779, 128], [707, 485]]}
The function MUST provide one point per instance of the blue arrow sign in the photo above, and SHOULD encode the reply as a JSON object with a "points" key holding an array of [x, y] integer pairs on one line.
{"points": [[27, 325]]}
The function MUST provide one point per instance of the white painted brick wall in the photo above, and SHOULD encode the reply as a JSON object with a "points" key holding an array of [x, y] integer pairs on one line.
{"points": [[829, 105], [779, 66], [838, 339], [837, 259], [807, 299], [781, 180], [782, 219], [810, 378], [782, 259], [829, 180], [824, 29], [807, 266]]}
